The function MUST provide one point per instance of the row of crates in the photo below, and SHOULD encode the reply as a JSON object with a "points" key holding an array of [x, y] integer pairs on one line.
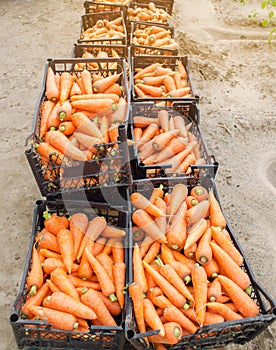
{"points": [[102, 185]]}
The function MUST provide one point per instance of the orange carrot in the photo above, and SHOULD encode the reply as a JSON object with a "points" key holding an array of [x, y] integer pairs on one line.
{"points": [[35, 299], [189, 160], [163, 119], [86, 81], [143, 122], [204, 251], [173, 333], [179, 92], [67, 128], [153, 91], [63, 302], [226, 245], [51, 90], [148, 69], [118, 252], [138, 269], [112, 231], [85, 125], [99, 245], [214, 290], [176, 234], [66, 83], [35, 276], [62, 143], [151, 317], [66, 246], [178, 196], [119, 272], [145, 245], [169, 83], [48, 152], [224, 311], [168, 289], [199, 278], [78, 227], [172, 314], [85, 270], [106, 261], [64, 111], [59, 319], [92, 299], [143, 220], [199, 192], [136, 295], [211, 268], [230, 267], [103, 84], [152, 252], [106, 283], [191, 251], [46, 110], [148, 134], [212, 318], [115, 88], [173, 147], [95, 105], [80, 283], [196, 232], [141, 202], [191, 201], [160, 141], [47, 240], [53, 223], [62, 281], [182, 258], [195, 213], [216, 215]]}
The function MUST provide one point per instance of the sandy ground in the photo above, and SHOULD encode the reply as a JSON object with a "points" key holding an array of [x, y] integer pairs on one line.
{"points": [[233, 69]]}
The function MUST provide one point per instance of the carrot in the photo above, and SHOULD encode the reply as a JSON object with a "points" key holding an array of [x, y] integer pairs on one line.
{"points": [[61, 142], [196, 232], [95, 105], [120, 113], [151, 317], [106, 261], [51, 89], [212, 318], [62, 281], [199, 279], [153, 91], [66, 83], [98, 246], [94, 229], [172, 314], [66, 246], [211, 268], [143, 122], [153, 81], [59, 319], [115, 88], [106, 283], [63, 302], [168, 289], [160, 141], [156, 193], [118, 252], [145, 245], [64, 111], [146, 70], [179, 92], [104, 83], [143, 220], [173, 147], [224, 311], [170, 274], [138, 269], [226, 245], [152, 252], [169, 83], [114, 232], [230, 267], [48, 152], [137, 234], [148, 134], [78, 227], [136, 295], [67, 128], [178, 196], [85, 270], [85, 125], [204, 251], [119, 272], [176, 234], [197, 212], [173, 333], [76, 90], [216, 215], [199, 192], [141, 202], [191, 201], [139, 92], [191, 251], [146, 150], [46, 110], [163, 119], [35, 276], [53, 223], [35, 300], [182, 258], [86, 81], [92, 299], [214, 290], [50, 264], [47, 240]]}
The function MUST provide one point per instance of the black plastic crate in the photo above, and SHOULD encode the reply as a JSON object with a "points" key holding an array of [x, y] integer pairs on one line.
{"points": [[102, 6], [137, 49], [144, 61], [109, 168], [38, 334], [79, 49], [168, 4], [213, 336], [89, 20], [189, 111]]}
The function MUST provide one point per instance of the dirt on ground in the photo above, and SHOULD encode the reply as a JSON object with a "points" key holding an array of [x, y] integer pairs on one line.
{"points": [[233, 69]]}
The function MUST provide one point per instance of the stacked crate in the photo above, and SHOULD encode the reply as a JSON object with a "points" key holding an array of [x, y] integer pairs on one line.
{"points": [[102, 184]]}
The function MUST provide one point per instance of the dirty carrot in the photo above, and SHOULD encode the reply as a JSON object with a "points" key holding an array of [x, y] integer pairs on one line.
{"points": [[59, 319], [230, 267], [106, 283], [63, 302], [35, 276], [92, 299], [199, 279]]}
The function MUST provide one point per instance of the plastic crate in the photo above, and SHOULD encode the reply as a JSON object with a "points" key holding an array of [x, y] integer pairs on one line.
{"points": [[190, 113], [213, 336], [168, 4], [166, 61], [137, 50], [90, 19], [79, 49], [109, 167], [102, 6], [39, 334]]}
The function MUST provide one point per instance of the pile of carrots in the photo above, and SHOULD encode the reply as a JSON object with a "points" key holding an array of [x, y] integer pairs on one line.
{"points": [[158, 81], [149, 13], [186, 270], [166, 140], [154, 38], [104, 29], [77, 274]]}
